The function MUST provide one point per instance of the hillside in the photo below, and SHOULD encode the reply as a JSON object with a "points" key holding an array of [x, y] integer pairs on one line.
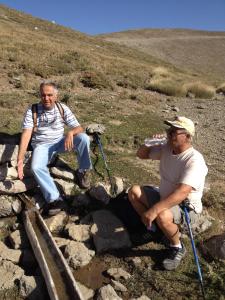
{"points": [[131, 91], [193, 50]]}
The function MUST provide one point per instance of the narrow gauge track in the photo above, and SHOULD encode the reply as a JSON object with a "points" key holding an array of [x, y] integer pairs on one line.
{"points": [[59, 279]]}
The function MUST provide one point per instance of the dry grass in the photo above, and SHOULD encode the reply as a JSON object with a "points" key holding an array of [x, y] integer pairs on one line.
{"points": [[166, 86], [160, 72], [200, 90], [221, 89]]}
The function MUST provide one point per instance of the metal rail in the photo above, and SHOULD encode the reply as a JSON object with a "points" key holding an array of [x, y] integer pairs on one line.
{"points": [[59, 279]]}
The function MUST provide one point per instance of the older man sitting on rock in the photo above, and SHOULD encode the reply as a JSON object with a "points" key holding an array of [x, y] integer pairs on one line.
{"points": [[182, 172]]}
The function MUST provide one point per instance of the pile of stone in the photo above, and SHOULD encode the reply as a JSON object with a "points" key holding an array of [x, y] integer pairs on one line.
{"points": [[79, 237]]}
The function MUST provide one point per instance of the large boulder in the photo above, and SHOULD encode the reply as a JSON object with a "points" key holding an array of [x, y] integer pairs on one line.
{"points": [[77, 254], [108, 232], [9, 206], [17, 186], [107, 292], [9, 254], [56, 223], [32, 287], [79, 233], [19, 240], [9, 274], [215, 247]]}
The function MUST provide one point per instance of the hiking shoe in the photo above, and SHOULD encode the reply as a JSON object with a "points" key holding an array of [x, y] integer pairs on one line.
{"points": [[83, 179], [53, 208], [174, 257]]}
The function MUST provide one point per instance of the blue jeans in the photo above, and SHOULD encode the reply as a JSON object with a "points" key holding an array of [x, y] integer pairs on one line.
{"points": [[42, 155]]}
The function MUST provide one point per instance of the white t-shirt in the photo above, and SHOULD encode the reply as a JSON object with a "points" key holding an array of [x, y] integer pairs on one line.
{"points": [[50, 125], [187, 167]]}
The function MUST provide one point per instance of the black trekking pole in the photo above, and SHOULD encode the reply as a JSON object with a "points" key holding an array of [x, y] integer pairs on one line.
{"points": [[187, 218], [98, 142]]}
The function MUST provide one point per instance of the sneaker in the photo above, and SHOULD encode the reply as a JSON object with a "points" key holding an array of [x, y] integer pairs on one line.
{"points": [[83, 179], [53, 208], [174, 257]]}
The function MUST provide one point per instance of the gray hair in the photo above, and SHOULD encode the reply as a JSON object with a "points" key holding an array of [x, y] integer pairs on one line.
{"points": [[49, 83]]}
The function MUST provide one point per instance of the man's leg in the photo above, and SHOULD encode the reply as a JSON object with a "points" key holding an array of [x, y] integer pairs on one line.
{"points": [[138, 199], [82, 147], [176, 250], [168, 227], [40, 159]]}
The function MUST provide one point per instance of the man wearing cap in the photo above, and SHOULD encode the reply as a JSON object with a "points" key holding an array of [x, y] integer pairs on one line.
{"points": [[182, 172]]}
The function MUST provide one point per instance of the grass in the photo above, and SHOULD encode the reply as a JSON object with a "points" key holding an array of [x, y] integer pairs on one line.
{"points": [[168, 87], [200, 90]]}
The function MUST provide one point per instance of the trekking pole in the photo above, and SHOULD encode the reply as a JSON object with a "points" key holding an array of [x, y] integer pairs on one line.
{"points": [[98, 142], [187, 218]]}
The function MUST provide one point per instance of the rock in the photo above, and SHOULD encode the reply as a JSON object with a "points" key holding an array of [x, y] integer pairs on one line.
{"points": [[9, 254], [118, 273], [79, 233], [81, 200], [65, 186], [118, 286], [215, 247], [63, 172], [108, 232], [19, 240], [86, 292], [3, 171], [95, 128], [190, 95], [143, 297], [9, 273], [77, 254], [9, 206], [136, 261], [57, 222], [8, 153], [100, 192], [201, 223], [32, 287], [61, 242], [11, 173], [175, 108], [107, 292], [117, 184], [17, 186]]}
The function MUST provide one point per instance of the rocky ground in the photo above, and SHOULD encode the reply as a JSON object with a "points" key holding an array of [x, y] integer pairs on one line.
{"points": [[135, 271]]}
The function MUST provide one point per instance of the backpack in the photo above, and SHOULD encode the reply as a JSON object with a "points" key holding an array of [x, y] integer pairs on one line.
{"points": [[139, 234], [34, 109]]}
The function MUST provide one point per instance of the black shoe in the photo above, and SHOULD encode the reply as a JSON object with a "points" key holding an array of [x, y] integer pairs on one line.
{"points": [[174, 257], [83, 179], [53, 208]]}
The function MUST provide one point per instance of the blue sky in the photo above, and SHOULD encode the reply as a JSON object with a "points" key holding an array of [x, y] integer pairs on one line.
{"points": [[101, 16]]}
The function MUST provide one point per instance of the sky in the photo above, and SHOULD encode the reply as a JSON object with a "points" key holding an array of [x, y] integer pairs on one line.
{"points": [[104, 16]]}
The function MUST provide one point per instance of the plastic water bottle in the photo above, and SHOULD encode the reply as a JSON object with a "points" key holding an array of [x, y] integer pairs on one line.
{"points": [[152, 228], [155, 141]]}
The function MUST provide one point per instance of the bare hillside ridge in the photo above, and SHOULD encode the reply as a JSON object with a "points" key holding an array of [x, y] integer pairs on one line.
{"points": [[197, 51]]}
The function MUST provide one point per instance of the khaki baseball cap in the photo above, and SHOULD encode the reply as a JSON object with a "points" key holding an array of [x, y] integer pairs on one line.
{"points": [[182, 122]]}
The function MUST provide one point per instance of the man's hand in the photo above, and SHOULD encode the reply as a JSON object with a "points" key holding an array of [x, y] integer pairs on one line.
{"points": [[69, 141], [20, 169], [149, 216]]}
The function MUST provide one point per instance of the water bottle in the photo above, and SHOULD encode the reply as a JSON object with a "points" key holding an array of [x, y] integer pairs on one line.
{"points": [[152, 228], [155, 141]]}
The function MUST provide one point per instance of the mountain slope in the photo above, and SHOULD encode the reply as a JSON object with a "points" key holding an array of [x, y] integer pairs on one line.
{"points": [[196, 51]]}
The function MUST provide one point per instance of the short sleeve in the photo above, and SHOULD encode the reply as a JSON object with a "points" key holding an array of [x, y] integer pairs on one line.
{"points": [[28, 122]]}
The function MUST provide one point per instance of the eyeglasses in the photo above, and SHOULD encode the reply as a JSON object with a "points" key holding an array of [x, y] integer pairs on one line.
{"points": [[46, 95], [173, 131]]}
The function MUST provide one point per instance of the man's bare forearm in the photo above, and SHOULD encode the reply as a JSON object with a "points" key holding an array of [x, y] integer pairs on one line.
{"points": [[175, 198], [24, 141]]}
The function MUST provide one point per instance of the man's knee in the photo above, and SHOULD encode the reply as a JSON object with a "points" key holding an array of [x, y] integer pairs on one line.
{"points": [[164, 218], [82, 138], [36, 167], [134, 193]]}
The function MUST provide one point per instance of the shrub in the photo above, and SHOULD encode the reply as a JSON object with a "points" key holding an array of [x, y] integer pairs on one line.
{"points": [[200, 90], [160, 72], [131, 80], [166, 86], [95, 80], [221, 89]]}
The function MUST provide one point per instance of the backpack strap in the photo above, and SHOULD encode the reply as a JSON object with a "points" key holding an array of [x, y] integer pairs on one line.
{"points": [[61, 110], [34, 109]]}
